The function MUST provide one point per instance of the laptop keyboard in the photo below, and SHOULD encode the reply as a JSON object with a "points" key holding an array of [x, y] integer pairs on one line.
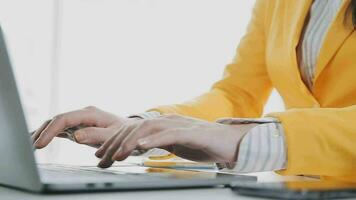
{"points": [[77, 174]]}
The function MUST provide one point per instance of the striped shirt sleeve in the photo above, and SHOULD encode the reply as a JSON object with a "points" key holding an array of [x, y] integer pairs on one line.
{"points": [[146, 115], [263, 148]]}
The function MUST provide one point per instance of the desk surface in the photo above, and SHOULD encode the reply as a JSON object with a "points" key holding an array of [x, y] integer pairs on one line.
{"points": [[206, 194], [172, 194], [168, 194]]}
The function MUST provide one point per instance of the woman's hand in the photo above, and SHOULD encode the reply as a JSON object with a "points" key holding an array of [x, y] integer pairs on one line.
{"points": [[99, 126], [186, 137]]}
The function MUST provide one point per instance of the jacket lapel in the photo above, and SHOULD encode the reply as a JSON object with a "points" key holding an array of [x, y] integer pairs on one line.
{"points": [[338, 32]]}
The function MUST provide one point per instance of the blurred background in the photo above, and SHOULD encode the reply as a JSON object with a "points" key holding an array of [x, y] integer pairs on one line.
{"points": [[123, 56]]}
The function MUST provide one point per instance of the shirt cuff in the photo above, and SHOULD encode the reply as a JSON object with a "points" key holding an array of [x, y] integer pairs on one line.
{"points": [[146, 115], [247, 120], [263, 148]]}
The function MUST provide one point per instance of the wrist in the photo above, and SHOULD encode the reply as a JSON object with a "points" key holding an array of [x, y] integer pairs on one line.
{"points": [[238, 132]]}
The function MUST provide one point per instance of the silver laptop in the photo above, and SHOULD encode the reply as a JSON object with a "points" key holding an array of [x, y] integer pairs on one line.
{"points": [[18, 167]]}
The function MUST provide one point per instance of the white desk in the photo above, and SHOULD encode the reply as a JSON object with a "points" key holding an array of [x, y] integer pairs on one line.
{"points": [[168, 194], [206, 194], [172, 194]]}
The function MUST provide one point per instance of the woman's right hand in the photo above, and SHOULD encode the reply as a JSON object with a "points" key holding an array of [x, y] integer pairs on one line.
{"points": [[99, 126]]}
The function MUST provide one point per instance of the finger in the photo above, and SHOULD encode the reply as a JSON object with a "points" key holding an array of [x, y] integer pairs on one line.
{"points": [[37, 133], [60, 122], [164, 139], [91, 135], [129, 143], [110, 150], [101, 151]]}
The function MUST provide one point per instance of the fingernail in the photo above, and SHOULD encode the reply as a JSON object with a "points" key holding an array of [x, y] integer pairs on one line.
{"points": [[101, 164], [143, 141], [98, 153], [78, 136], [104, 164]]}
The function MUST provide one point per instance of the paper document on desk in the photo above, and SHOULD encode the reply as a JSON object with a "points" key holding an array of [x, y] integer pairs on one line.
{"points": [[175, 162]]}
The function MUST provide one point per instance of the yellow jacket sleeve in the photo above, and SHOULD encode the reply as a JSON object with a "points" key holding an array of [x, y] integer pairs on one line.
{"points": [[245, 86], [320, 141]]}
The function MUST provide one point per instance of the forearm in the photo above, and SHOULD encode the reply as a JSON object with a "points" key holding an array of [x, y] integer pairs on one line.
{"points": [[263, 148], [209, 106]]}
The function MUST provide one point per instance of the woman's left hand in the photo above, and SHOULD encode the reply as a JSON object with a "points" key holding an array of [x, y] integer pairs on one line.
{"points": [[186, 137]]}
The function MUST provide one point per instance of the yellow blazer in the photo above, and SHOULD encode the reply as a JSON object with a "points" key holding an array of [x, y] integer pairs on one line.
{"points": [[320, 125]]}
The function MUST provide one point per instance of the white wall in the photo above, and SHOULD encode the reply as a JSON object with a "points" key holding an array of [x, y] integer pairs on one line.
{"points": [[27, 26], [124, 56]]}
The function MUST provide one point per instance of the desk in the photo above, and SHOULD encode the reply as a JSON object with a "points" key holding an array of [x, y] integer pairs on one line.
{"points": [[172, 194]]}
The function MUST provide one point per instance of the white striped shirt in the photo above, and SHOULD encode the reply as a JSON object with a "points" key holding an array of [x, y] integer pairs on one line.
{"points": [[322, 14], [264, 148]]}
